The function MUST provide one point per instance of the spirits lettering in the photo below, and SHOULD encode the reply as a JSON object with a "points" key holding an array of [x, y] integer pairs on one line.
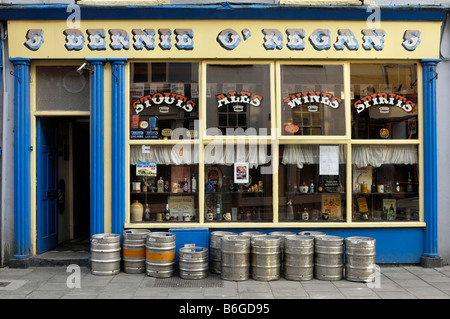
{"points": [[384, 99]]}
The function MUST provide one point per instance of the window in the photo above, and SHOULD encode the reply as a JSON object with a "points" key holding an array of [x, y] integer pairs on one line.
{"points": [[385, 101], [164, 101], [238, 99], [312, 100], [307, 145], [61, 88]]}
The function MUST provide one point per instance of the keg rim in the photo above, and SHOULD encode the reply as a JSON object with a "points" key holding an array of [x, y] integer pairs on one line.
{"points": [[360, 240]]}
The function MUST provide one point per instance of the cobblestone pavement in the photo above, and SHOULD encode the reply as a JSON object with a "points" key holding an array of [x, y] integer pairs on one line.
{"points": [[74, 282]]}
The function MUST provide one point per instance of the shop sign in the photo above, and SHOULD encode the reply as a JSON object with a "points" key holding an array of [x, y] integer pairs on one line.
{"points": [[163, 100], [229, 39], [238, 98], [384, 101], [301, 98]]}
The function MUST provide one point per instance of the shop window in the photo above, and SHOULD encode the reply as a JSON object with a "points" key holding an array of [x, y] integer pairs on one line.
{"points": [[312, 100], [238, 99], [385, 183], [238, 183], [312, 183], [164, 101], [61, 88], [384, 102], [161, 176]]}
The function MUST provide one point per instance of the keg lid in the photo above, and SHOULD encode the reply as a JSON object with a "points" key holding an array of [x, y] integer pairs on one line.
{"points": [[282, 233], [305, 238], [356, 240], [312, 233], [332, 240], [135, 233]]}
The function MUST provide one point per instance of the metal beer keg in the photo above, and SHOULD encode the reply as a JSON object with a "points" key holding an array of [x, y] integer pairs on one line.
{"points": [[215, 250], [133, 250], [282, 235], [266, 257], [105, 254], [329, 257], [160, 254], [299, 257], [360, 259], [193, 262], [235, 258]]}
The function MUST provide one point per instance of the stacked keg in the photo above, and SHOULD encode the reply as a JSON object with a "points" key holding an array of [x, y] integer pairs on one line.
{"points": [[265, 257], [193, 262], [105, 254], [160, 254], [133, 250], [328, 257], [235, 258], [359, 259], [215, 250], [299, 257]]}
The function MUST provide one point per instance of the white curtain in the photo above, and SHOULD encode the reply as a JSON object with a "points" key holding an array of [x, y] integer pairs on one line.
{"points": [[362, 155], [306, 154], [253, 154], [164, 154], [376, 155]]}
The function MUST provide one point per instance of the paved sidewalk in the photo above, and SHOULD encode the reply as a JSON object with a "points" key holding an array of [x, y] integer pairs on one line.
{"points": [[396, 282]]}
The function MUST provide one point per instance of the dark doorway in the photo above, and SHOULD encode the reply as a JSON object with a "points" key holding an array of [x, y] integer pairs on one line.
{"points": [[81, 178]]}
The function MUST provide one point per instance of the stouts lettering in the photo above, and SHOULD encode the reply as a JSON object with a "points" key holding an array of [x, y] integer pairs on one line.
{"points": [[163, 98], [229, 39]]}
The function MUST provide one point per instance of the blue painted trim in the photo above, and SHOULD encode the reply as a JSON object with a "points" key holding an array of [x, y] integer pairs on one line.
{"points": [[223, 12], [22, 158], [430, 157], [118, 144], [97, 147], [393, 245]]}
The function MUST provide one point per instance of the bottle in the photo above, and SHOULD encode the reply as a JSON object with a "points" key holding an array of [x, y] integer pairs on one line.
{"points": [[185, 185], [147, 212], [219, 209], [409, 187], [290, 211], [167, 213], [397, 187], [311, 187], [298, 215], [193, 184], [305, 215], [160, 185], [320, 188], [391, 213]]}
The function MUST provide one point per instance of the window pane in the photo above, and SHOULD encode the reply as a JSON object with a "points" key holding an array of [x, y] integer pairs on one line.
{"points": [[174, 182], [241, 93], [385, 101], [238, 183], [61, 88], [312, 100], [164, 97], [385, 183], [312, 183]]}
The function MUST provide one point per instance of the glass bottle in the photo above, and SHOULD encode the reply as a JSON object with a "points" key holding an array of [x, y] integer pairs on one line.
{"points": [[290, 211], [185, 185], [311, 187], [147, 212], [160, 185], [409, 187], [167, 213], [305, 215], [193, 184]]}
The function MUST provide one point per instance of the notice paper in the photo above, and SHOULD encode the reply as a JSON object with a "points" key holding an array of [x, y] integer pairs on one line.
{"points": [[328, 160]]}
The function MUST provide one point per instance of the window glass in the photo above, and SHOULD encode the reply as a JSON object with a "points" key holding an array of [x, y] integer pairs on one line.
{"points": [[164, 101], [164, 175], [385, 182], [238, 183], [384, 103], [61, 88], [238, 99], [312, 100], [312, 183]]}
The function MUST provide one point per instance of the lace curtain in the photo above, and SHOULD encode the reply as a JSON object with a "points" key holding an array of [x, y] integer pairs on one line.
{"points": [[255, 155], [362, 155]]}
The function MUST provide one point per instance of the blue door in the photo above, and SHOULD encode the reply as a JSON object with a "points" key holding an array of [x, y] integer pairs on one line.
{"points": [[46, 188]]}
